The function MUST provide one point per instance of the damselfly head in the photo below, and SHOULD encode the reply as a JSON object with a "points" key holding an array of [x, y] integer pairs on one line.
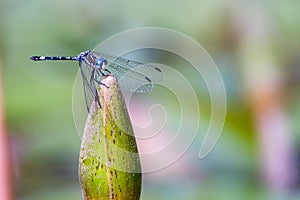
{"points": [[101, 63]]}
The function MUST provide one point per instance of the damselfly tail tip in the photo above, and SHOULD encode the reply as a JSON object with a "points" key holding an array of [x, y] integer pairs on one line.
{"points": [[35, 58]]}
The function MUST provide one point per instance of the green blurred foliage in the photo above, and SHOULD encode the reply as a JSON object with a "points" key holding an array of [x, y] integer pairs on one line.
{"points": [[38, 97]]}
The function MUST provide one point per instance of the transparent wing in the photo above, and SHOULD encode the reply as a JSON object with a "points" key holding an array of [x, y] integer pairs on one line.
{"points": [[132, 75], [89, 87]]}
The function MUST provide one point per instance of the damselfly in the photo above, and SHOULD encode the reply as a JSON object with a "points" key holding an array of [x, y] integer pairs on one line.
{"points": [[94, 66]]}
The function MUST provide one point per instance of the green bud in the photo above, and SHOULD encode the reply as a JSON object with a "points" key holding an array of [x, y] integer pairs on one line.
{"points": [[109, 164]]}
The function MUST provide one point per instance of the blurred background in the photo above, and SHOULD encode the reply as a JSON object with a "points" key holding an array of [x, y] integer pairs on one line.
{"points": [[255, 45]]}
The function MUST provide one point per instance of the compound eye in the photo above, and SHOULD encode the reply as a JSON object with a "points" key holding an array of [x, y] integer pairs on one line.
{"points": [[100, 63]]}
